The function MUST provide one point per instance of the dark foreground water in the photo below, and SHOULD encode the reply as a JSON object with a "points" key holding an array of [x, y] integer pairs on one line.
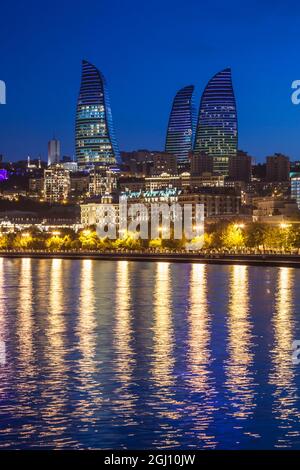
{"points": [[105, 354]]}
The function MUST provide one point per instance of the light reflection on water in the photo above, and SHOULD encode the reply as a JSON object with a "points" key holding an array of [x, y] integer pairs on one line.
{"points": [[199, 358], [286, 401], [124, 361], [239, 373], [141, 355]]}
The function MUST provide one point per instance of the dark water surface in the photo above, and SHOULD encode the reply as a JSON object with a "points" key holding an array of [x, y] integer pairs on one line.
{"points": [[117, 354]]}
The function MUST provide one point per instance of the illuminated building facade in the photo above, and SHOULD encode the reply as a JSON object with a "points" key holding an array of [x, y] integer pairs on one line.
{"points": [[102, 181], [181, 127], [95, 138], [295, 187], [216, 133], [56, 184]]}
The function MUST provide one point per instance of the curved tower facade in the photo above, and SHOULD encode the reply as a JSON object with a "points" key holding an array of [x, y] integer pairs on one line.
{"points": [[181, 127], [96, 144], [216, 134]]}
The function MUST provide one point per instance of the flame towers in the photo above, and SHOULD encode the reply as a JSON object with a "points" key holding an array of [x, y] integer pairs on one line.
{"points": [[95, 138], [216, 134], [180, 133]]}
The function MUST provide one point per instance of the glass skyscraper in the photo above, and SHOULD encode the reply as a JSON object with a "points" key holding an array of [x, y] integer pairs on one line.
{"points": [[96, 144], [181, 127], [216, 133]]}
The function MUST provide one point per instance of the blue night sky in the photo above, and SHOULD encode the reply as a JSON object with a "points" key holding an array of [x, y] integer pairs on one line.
{"points": [[147, 51]]}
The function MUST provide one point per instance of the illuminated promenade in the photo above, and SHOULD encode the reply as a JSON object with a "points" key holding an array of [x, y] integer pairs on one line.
{"points": [[266, 259]]}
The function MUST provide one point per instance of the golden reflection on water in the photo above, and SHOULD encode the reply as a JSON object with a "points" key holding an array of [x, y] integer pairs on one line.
{"points": [[239, 374], [25, 320], [123, 328], [199, 354], [199, 330], [123, 336], [86, 318], [282, 374], [162, 365], [25, 330], [56, 318], [2, 319], [163, 330], [86, 331], [54, 391]]}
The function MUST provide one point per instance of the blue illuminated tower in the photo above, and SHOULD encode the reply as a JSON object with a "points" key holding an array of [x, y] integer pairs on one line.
{"points": [[216, 134], [181, 127], [96, 144]]}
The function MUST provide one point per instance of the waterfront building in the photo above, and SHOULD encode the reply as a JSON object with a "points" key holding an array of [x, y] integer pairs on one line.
{"points": [[278, 168], [225, 203], [184, 180], [131, 183], [217, 201], [165, 180], [181, 126], [216, 133], [95, 137], [53, 152], [274, 210], [56, 184]]}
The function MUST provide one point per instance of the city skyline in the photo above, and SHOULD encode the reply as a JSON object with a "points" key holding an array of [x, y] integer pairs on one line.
{"points": [[149, 228], [145, 71]]}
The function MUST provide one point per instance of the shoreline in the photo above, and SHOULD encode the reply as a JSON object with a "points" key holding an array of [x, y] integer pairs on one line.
{"points": [[225, 259]]}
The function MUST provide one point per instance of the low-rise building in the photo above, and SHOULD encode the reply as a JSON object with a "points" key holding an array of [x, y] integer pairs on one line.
{"points": [[272, 210], [217, 202]]}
